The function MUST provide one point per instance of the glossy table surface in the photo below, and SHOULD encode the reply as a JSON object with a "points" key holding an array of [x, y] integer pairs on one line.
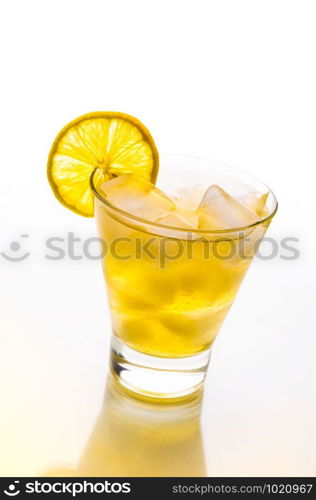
{"points": [[62, 415]]}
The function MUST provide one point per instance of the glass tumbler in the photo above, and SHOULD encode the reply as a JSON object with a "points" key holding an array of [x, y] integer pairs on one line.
{"points": [[170, 288]]}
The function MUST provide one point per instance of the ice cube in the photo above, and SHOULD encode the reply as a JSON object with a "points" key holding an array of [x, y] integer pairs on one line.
{"points": [[174, 219], [218, 210], [190, 216], [189, 198], [255, 202], [187, 201], [137, 196]]}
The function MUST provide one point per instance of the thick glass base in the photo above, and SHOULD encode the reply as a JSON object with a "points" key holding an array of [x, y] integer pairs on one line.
{"points": [[152, 377]]}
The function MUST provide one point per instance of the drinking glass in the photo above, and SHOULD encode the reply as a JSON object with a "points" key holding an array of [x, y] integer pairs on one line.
{"points": [[170, 288]]}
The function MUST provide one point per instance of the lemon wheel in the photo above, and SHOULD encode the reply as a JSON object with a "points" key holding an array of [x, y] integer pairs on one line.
{"points": [[111, 143]]}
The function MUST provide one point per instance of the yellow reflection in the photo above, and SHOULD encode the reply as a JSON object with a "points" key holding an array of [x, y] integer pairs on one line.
{"points": [[138, 438]]}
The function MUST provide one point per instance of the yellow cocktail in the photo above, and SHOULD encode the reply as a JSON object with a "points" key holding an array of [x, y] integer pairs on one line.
{"points": [[173, 266]]}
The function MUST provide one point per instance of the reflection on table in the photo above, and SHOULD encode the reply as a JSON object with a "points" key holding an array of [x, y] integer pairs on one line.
{"points": [[138, 438]]}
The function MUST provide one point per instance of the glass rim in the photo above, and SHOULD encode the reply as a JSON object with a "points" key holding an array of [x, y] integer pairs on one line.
{"points": [[142, 220]]}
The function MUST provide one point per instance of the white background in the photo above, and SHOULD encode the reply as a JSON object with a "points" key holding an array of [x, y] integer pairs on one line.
{"points": [[231, 80]]}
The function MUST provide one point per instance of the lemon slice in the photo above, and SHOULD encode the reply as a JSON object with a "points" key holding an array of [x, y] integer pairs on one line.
{"points": [[111, 142]]}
